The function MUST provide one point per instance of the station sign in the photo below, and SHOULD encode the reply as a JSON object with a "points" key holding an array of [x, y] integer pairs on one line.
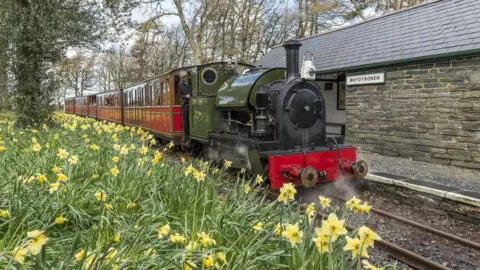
{"points": [[372, 78]]}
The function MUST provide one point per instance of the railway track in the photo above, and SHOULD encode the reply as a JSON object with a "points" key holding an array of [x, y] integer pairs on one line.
{"points": [[403, 255]]}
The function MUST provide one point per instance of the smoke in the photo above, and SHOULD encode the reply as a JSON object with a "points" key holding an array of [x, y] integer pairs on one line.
{"points": [[343, 187]]}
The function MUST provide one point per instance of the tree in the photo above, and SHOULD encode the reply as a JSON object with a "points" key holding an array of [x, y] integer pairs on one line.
{"points": [[78, 73], [40, 32]]}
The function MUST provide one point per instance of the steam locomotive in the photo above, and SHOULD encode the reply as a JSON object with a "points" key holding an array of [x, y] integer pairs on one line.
{"points": [[268, 120]]}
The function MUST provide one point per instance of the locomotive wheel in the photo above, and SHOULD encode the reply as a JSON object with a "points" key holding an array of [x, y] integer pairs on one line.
{"points": [[360, 169], [309, 176]]}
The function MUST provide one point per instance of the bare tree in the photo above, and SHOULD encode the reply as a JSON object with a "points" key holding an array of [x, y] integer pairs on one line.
{"points": [[78, 72]]}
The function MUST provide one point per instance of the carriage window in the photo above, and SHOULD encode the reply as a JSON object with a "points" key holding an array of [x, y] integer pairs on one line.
{"points": [[166, 91]]}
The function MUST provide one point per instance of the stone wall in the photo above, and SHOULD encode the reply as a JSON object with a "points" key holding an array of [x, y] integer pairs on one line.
{"points": [[426, 111]]}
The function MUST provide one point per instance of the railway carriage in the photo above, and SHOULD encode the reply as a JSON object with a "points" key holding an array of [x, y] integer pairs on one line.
{"points": [[269, 120]]}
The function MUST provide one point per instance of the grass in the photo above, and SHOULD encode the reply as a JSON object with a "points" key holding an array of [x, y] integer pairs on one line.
{"points": [[157, 213]]}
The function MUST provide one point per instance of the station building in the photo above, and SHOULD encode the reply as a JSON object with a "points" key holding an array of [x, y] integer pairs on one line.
{"points": [[405, 84]]}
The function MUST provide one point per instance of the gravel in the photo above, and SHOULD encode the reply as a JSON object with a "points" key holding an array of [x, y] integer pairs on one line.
{"points": [[448, 175]]}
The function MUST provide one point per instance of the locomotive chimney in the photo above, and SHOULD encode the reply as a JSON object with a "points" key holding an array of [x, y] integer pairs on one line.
{"points": [[291, 50]]}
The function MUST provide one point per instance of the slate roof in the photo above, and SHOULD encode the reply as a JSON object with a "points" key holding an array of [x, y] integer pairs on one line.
{"points": [[432, 29]]}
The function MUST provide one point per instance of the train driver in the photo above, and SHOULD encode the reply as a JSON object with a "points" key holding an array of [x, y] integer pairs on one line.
{"points": [[185, 88]]}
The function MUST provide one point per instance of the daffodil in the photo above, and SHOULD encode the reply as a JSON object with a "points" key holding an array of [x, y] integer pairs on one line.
{"points": [[124, 150], [177, 238], [282, 198], [257, 227], [357, 247], [149, 172], [228, 164], [246, 188], [36, 241], [353, 203], [54, 187], [368, 265], [114, 171], [143, 150], [34, 140], [199, 176], [221, 257], [108, 206], [19, 254], [115, 159], [310, 211], [208, 261], [56, 170], [171, 144], [293, 233], [36, 147], [131, 205], [41, 178], [73, 160], [189, 170], [117, 237], [62, 153], [60, 220], [61, 177], [116, 147], [333, 227], [206, 240], [242, 170], [289, 190], [94, 147], [324, 202], [368, 236], [101, 195], [183, 159], [163, 231], [259, 179], [189, 265], [321, 241], [279, 229], [4, 213], [365, 207], [2, 148]]}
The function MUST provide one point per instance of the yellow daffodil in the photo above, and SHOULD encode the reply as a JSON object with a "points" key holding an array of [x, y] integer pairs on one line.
{"points": [[108, 206], [19, 253], [199, 176], [56, 170], [2, 148], [34, 131], [259, 179], [62, 153], [54, 187], [114, 171], [293, 233], [101, 195], [368, 236], [258, 227], [143, 150], [246, 188], [228, 164], [189, 170], [131, 205], [116, 147], [4, 213], [191, 245], [353, 203], [242, 170], [357, 247], [215, 171], [95, 176], [177, 238], [37, 241], [115, 159], [321, 241], [94, 147], [324, 202], [367, 265], [163, 231], [287, 193], [310, 211], [282, 198], [124, 150], [73, 160], [149, 172], [365, 208], [183, 160], [60, 220], [171, 145], [41, 178], [279, 229], [206, 240], [333, 227], [208, 261], [34, 140], [117, 237], [61, 177], [36, 147], [221, 257]]}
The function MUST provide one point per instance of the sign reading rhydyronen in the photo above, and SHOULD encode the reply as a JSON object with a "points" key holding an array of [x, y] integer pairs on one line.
{"points": [[374, 78]]}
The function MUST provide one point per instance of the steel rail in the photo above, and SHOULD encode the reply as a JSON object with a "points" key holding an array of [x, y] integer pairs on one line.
{"points": [[407, 257], [412, 223]]}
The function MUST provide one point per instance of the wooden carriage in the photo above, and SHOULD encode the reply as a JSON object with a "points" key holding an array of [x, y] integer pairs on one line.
{"points": [[109, 107], [70, 105], [81, 106]]}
